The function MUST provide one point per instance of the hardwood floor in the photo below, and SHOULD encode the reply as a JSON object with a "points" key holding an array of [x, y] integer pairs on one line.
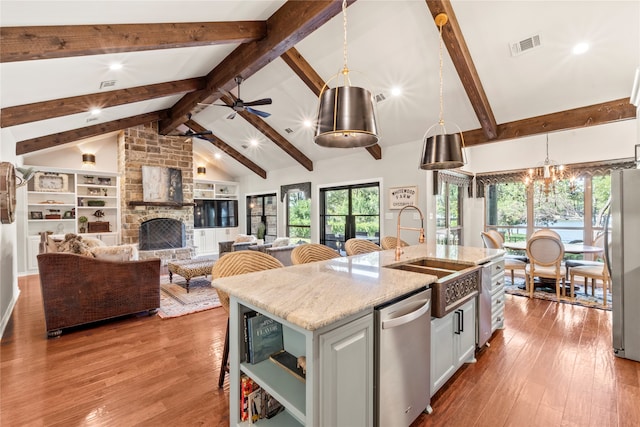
{"points": [[552, 365]]}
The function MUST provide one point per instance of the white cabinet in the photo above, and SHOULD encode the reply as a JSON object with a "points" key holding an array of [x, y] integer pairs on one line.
{"points": [[205, 242], [214, 190], [491, 300], [346, 372], [453, 342], [338, 389]]}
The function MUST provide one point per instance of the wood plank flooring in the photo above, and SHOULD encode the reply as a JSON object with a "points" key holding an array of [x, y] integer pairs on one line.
{"points": [[552, 365]]}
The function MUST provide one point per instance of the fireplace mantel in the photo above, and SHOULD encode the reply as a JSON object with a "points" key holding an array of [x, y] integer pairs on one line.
{"points": [[164, 204]]}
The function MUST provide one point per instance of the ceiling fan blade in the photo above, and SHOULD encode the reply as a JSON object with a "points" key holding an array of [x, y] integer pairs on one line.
{"points": [[257, 112], [264, 101], [216, 105]]}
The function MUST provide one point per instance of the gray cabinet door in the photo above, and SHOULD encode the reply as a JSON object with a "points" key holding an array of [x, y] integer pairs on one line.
{"points": [[346, 374], [467, 337], [443, 361]]}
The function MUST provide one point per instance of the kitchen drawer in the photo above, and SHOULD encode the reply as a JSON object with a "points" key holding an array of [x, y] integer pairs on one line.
{"points": [[497, 319], [497, 282], [497, 300], [497, 267]]}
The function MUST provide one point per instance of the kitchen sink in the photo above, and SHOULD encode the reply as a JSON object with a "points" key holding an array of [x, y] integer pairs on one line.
{"points": [[456, 284]]}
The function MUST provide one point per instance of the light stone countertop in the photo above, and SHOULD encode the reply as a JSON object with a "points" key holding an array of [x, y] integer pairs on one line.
{"points": [[320, 293]]}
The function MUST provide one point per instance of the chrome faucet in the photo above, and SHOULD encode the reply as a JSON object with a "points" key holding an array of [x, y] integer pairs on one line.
{"points": [[421, 229]]}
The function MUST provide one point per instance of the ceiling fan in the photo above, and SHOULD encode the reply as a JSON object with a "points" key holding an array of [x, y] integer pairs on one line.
{"points": [[240, 105]]}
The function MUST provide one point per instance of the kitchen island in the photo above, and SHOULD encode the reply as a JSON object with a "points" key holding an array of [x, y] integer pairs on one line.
{"points": [[326, 309]]}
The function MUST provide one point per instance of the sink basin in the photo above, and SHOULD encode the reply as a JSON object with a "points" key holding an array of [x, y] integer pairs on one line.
{"points": [[456, 284]]}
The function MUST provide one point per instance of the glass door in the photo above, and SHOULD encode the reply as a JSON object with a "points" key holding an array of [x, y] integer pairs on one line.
{"points": [[262, 216], [349, 211]]}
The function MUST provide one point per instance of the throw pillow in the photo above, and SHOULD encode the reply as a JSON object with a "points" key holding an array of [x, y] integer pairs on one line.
{"points": [[280, 242], [113, 253], [93, 242], [243, 238]]}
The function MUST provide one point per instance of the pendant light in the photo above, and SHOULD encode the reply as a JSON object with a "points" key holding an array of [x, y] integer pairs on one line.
{"points": [[346, 114], [442, 150]]}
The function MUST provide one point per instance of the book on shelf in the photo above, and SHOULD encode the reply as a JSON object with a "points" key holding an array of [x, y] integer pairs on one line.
{"points": [[247, 386], [265, 338], [246, 315], [290, 364], [262, 405]]}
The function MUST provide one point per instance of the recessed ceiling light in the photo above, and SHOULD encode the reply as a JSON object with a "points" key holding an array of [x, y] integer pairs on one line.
{"points": [[307, 123], [396, 91], [115, 66], [217, 156], [253, 142], [95, 111], [580, 48]]}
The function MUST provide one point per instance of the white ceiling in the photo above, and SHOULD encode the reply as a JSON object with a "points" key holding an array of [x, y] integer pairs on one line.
{"points": [[390, 42]]}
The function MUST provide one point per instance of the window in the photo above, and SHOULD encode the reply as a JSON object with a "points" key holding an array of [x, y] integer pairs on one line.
{"points": [[574, 208], [262, 216], [298, 216], [449, 214], [349, 211]]}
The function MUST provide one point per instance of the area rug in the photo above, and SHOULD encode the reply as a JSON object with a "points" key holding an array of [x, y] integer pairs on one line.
{"points": [[549, 294], [175, 301]]}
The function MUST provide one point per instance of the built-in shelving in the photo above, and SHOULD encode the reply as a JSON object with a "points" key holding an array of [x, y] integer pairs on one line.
{"points": [[57, 200]]}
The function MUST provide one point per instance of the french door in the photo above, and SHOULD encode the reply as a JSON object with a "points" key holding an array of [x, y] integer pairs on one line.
{"points": [[349, 211]]}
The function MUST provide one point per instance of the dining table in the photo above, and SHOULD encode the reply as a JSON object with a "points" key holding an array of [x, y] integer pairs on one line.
{"points": [[569, 248]]}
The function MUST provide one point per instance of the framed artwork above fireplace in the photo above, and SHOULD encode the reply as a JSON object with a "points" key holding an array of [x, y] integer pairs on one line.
{"points": [[161, 184]]}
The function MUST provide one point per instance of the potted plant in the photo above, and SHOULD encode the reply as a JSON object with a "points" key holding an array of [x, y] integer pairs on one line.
{"points": [[261, 231], [83, 223]]}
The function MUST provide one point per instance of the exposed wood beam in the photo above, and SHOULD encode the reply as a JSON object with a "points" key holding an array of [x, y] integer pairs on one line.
{"points": [[20, 114], [229, 150], [459, 53], [287, 26], [273, 135], [304, 70], [57, 139], [29, 43], [312, 79], [592, 115]]}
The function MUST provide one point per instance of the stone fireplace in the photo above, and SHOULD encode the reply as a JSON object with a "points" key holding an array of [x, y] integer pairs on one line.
{"points": [[143, 146]]}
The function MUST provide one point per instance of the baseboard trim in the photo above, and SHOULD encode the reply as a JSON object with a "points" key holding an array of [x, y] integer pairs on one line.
{"points": [[7, 314]]}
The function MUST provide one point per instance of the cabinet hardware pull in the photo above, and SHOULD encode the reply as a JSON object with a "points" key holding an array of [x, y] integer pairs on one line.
{"points": [[457, 331]]}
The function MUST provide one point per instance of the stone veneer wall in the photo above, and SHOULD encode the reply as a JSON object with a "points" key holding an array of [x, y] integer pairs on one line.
{"points": [[143, 146]]}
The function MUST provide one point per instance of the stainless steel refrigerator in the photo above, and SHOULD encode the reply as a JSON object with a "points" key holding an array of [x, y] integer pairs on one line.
{"points": [[624, 262]]}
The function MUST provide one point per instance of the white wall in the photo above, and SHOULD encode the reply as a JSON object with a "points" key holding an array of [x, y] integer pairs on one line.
{"points": [[8, 245]]}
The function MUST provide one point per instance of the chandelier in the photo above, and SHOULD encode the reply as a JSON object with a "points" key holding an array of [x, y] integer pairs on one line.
{"points": [[547, 174]]}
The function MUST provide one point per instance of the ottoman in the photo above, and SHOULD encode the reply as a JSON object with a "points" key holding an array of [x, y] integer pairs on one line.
{"points": [[190, 268]]}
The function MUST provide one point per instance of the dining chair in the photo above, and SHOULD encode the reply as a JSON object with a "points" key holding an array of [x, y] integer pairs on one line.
{"points": [[233, 264], [545, 252], [390, 242], [493, 240], [357, 246], [594, 270], [312, 252]]}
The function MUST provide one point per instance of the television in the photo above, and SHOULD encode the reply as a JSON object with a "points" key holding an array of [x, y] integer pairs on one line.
{"points": [[215, 213]]}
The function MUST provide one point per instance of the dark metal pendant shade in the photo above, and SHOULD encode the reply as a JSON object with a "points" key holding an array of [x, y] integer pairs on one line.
{"points": [[442, 152], [346, 118]]}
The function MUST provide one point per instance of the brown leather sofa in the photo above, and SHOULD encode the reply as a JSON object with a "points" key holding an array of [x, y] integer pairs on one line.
{"points": [[79, 289]]}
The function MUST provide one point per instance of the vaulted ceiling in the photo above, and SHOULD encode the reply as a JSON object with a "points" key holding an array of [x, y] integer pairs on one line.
{"points": [[178, 55]]}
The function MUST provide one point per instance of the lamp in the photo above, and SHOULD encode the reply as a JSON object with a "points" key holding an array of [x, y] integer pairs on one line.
{"points": [[202, 170], [346, 114], [442, 150], [547, 174], [88, 160]]}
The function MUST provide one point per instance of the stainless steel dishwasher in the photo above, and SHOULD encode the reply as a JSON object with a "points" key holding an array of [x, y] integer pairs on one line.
{"points": [[403, 344]]}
